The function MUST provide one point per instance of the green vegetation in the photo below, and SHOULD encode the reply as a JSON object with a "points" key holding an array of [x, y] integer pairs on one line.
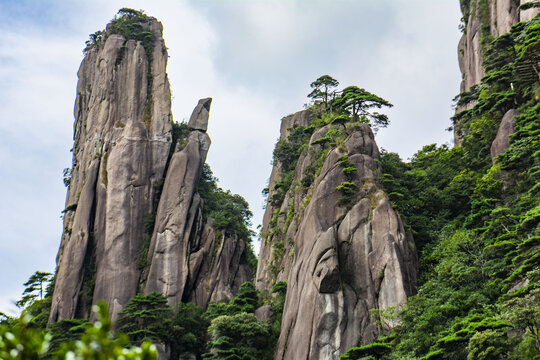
{"points": [[225, 329], [66, 178], [321, 89], [19, 340], [235, 333], [230, 212], [34, 288], [146, 318], [132, 25], [238, 336], [359, 102], [332, 117], [476, 223]]}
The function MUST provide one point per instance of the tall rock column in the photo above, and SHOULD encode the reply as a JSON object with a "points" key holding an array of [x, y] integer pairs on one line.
{"points": [[178, 218], [122, 138], [336, 240]]}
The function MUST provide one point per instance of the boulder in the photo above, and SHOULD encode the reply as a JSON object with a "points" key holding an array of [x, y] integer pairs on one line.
{"points": [[506, 128], [199, 117]]}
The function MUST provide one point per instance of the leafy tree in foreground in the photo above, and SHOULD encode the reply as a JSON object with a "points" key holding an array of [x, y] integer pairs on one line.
{"points": [[100, 343], [20, 341], [66, 330]]}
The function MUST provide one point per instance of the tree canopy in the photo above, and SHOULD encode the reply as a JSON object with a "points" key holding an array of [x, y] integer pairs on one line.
{"points": [[321, 89]]}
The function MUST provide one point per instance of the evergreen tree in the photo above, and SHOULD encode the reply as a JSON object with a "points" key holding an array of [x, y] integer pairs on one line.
{"points": [[321, 89], [146, 317], [358, 102], [34, 288]]}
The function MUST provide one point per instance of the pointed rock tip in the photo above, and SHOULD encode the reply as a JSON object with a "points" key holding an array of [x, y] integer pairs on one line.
{"points": [[199, 117]]}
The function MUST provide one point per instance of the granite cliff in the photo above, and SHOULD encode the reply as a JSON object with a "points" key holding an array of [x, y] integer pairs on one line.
{"points": [[134, 219], [330, 231], [482, 22]]}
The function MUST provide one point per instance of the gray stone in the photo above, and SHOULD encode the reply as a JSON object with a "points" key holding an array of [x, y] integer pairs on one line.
{"points": [[506, 128], [199, 117], [263, 313], [177, 212], [503, 14], [120, 178], [528, 14], [339, 262], [217, 268], [119, 155]]}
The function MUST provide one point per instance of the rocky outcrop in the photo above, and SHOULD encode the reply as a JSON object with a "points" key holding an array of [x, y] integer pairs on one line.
{"points": [[484, 21], [265, 267], [217, 268], [338, 243], [506, 128], [122, 138], [178, 217], [129, 169], [189, 260]]}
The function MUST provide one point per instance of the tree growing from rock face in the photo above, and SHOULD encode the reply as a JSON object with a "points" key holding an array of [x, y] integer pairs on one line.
{"points": [[358, 103], [321, 89]]}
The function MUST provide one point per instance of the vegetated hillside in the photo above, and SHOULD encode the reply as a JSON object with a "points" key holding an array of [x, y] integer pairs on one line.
{"points": [[337, 262], [474, 211]]}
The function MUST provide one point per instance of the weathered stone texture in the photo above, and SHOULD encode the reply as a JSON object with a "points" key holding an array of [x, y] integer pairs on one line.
{"points": [[506, 128], [122, 138], [340, 260], [125, 173], [500, 17], [217, 268]]}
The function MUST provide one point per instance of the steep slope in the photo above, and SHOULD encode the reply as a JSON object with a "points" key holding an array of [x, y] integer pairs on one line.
{"points": [[330, 231], [475, 213], [133, 215], [483, 21]]}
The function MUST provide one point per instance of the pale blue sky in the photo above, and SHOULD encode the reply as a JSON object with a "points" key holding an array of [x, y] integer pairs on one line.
{"points": [[255, 58]]}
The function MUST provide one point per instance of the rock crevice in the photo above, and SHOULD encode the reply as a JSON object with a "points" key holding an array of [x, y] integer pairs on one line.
{"points": [[339, 244]]}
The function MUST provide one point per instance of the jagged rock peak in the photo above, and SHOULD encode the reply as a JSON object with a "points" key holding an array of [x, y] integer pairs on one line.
{"points": [[133, 219], [122, 133], [335, 238], [199, 117]]}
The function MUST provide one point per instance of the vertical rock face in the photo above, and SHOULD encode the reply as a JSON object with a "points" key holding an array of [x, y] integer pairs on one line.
{"points": [[126, 173], [342, 252], [217, 268], [178, 216], [485, 20], [122, 138]]}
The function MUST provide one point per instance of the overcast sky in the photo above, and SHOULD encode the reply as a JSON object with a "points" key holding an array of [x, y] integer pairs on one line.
{"points": [[255, 58]]}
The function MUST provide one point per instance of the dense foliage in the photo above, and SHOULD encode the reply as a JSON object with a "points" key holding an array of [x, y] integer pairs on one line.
{"points": [[230, 212], [132, 25], [476, 223], [20, 341], [226, 330]]}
